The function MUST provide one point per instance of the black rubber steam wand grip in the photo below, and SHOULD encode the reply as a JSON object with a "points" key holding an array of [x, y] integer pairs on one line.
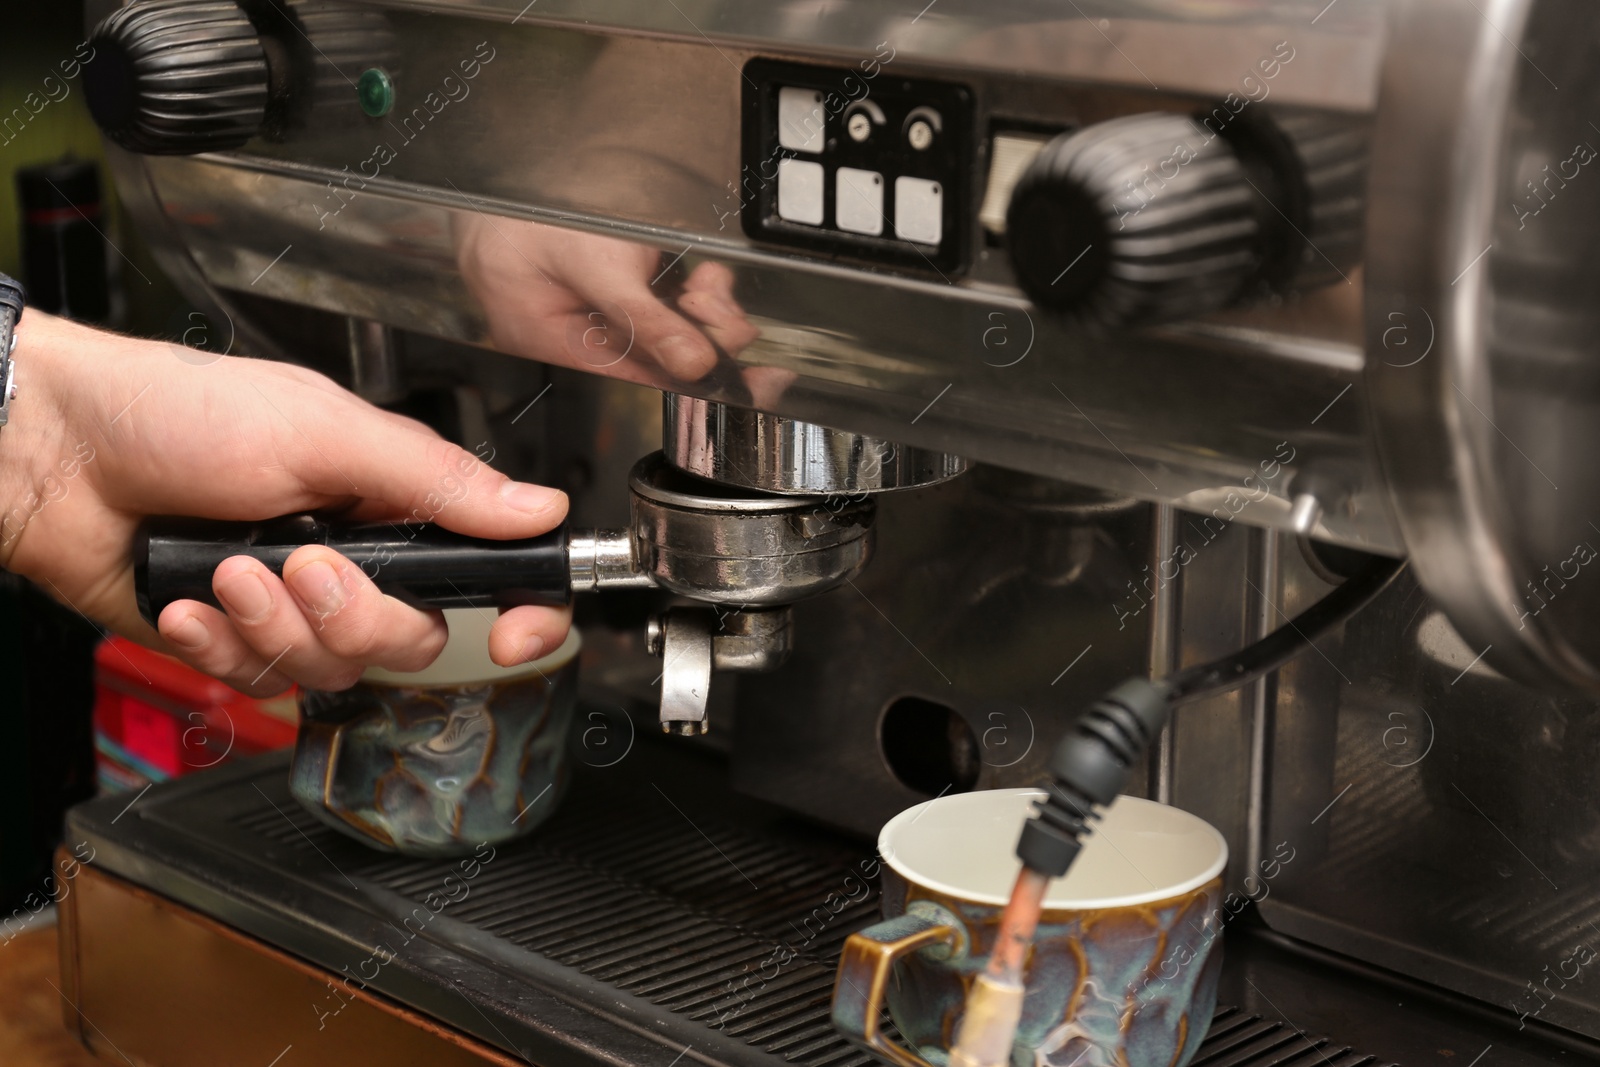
{"points": [[425, 566]]}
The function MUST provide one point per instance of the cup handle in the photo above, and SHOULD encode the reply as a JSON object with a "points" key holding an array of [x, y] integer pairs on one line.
{"points": [[864, 969]]}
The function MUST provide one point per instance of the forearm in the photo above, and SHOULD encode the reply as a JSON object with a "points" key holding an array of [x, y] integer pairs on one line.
{"points": [[36, 457]]}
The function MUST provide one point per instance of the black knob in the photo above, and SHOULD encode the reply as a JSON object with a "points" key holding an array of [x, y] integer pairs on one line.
{"points": [[1142, 219], [175, 77], [1316, 175]]}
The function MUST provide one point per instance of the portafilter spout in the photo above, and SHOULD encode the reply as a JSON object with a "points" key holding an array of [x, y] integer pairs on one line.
{"points": [[749, 554]]}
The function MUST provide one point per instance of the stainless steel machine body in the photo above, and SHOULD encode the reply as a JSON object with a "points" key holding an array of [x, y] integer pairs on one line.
{"points": [[579, 184]]}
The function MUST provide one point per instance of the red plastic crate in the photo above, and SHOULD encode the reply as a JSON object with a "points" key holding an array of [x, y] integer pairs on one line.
{"points": [[156, 718]]}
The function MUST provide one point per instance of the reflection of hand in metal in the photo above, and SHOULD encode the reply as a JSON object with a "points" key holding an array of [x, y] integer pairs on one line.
{"points": [[599, 303], [708, 299]]}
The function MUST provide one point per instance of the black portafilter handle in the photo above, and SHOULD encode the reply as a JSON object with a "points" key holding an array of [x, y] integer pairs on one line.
{"points": [[1088, 770], [423, 565]]}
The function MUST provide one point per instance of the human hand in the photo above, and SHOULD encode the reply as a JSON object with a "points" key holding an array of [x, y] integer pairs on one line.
{"points": [[106, 430], [593, 303]]}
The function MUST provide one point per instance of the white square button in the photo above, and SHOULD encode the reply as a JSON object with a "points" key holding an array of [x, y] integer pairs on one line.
{"points": [[858, 201], [800, 191], [800, 120], [918, 210]]}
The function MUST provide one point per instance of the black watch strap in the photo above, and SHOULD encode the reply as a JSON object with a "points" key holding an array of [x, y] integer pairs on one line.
{"points": [[12, 299]]}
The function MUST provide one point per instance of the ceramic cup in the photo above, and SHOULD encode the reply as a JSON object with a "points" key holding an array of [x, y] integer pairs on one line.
{"points": [[1124, 968], [438, 762]]}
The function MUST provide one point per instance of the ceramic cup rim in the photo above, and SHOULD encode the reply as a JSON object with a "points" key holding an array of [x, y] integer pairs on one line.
{"points": [[563, 656], [1052, 902]]}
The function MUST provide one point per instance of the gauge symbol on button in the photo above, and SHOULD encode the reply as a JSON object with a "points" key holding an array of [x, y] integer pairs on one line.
{"points": [[859, 120], [922, 127]]}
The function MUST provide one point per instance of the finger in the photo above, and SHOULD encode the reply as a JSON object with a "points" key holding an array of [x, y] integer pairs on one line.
{"points": [[708, 309], [201, 636], [648, 325], [708, 299], [527, 633], [678, 347], [406, 422], [315, 379], [716, 279], [293, 372], [336, 449], [271, 622], [354, 620], [421, 477], [767, 385], [724, 323]]}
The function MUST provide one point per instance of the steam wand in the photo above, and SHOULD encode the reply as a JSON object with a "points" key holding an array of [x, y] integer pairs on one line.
{"points": [[1088, 770]]}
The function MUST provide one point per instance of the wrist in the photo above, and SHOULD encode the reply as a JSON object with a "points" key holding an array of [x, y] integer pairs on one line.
{"points": [[32, 440]]}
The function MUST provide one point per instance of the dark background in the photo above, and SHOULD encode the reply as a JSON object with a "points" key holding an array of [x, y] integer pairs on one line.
{"points": [[46, 651]]}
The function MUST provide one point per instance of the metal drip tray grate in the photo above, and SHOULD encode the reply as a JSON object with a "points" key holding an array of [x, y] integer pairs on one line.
{"points": [[1240, 1040], [688, 915], [718, 920], [700, 916]]}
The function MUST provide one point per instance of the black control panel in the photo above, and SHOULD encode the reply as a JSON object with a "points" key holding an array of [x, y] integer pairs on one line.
{"points": [[857, 162]]}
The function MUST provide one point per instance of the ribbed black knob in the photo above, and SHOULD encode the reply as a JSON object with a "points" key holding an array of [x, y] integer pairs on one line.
{"points": [[1148, 218], [175, 77], [1324, 196]]}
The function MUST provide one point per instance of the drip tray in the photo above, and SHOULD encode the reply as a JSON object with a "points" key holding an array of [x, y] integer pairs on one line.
{"points": [[653, 916]]}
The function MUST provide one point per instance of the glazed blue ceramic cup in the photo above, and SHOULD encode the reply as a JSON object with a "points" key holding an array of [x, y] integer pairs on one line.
{"points": [[439, 762], [1123, 971]]}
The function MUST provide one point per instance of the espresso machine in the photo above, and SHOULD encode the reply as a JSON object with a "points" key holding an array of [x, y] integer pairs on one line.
{"points": [[917, 373]]}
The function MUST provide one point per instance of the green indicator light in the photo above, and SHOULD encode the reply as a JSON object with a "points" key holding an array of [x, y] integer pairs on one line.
{"points": [[376, 92]]}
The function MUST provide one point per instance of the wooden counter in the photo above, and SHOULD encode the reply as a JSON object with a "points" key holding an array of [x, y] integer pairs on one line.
{"points": [[31, 1031]]}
